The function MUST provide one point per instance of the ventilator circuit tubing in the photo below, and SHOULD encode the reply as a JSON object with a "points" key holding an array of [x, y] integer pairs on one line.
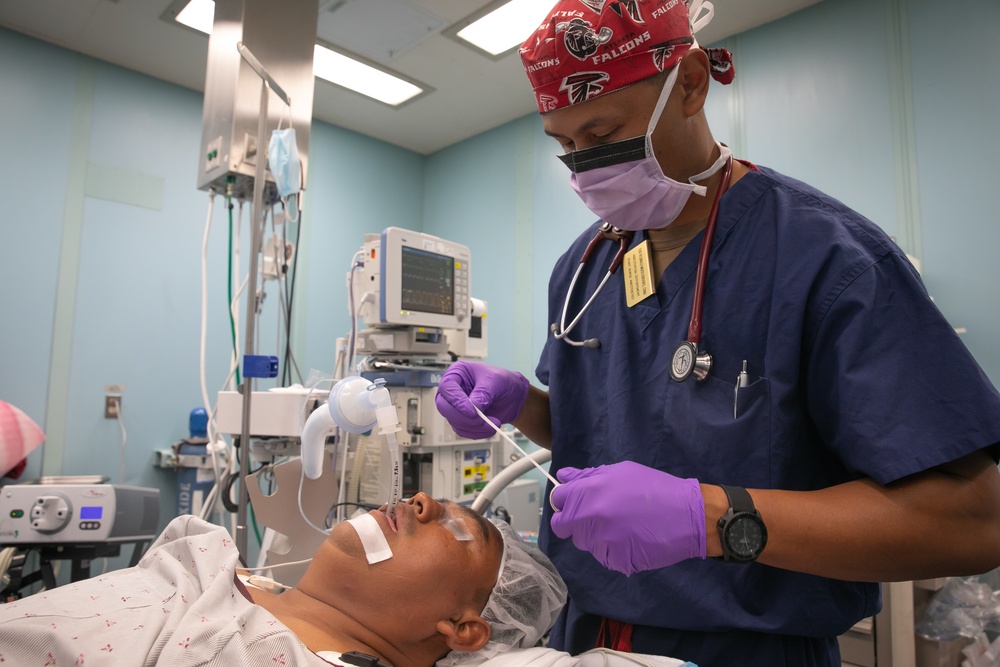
{"points": [[356, 406], [493, 488]]}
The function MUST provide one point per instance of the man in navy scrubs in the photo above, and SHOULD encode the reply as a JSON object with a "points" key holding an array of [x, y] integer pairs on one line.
{"points": [[735, 513]]}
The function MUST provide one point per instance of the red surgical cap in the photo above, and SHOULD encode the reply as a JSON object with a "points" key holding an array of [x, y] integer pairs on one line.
{"points": [[587, 48]]}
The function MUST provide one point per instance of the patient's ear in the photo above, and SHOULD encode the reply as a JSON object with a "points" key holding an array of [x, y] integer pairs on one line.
{"points": [[469, 632]]}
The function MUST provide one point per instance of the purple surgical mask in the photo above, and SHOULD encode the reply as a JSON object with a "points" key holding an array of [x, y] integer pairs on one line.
{"points": [[622, 182]]}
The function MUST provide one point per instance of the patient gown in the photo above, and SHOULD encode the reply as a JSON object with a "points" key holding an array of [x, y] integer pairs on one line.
{"points": [[178, 607]]}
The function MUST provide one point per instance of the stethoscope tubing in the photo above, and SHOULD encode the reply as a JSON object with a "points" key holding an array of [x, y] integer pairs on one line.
{"points": [[604, 232], [694, 326], [565, 330]]}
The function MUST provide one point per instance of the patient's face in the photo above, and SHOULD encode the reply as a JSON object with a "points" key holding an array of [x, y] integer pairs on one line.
{"points": [[431, 571]]}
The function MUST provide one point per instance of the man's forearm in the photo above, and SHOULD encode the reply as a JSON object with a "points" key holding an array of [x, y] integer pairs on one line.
{"points": [[942, 522], [535, 419]]}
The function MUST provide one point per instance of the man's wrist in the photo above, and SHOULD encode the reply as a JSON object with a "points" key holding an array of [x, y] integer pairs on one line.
{"points": [[535, 420], [716, 504]]}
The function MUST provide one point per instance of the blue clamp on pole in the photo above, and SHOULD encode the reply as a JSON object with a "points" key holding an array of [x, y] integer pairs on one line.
{"points": [[259, 366]]}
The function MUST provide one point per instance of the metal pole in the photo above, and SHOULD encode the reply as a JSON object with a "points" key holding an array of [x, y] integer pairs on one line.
{"points": [[255, 65], [251, 314], [255, 243]]}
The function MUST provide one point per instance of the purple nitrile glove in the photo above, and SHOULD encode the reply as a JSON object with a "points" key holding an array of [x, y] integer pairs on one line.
{"points": [[499, 393], [630, 517]]}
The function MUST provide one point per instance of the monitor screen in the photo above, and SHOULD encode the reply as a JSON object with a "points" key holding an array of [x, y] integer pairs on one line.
{"points": [[91, 512], [428, 282]]}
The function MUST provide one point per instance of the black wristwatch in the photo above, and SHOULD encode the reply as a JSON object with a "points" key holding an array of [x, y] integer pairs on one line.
{"points": [[741, 528]]}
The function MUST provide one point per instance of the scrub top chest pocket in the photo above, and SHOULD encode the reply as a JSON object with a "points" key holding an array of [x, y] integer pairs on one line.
{"points": [[707, 439]]}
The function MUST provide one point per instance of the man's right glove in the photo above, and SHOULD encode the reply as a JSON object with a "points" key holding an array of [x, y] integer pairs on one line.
{"points": [[630, 517], [499, 393]]}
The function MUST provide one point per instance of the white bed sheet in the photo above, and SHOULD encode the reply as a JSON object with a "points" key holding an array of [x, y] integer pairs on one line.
{"points": [[547, 657]]}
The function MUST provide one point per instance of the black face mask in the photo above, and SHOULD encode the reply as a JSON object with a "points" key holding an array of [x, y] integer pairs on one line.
{"points": [[618, 152]]}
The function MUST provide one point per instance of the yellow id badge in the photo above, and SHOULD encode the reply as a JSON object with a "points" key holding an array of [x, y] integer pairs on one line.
{"points": [[638, 268]]}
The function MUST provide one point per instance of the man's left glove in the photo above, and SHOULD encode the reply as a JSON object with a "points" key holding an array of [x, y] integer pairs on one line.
{"points": [[499, 393], [630, 517]]}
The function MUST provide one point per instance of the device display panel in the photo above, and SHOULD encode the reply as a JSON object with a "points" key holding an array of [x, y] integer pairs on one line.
{"points": [[428, 282]]}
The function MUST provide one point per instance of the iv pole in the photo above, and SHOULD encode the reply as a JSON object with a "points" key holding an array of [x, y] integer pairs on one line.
{"points": [[255, 242]]}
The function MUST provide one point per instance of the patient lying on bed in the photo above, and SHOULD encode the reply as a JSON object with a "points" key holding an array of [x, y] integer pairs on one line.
{"points": [[438, 597]]}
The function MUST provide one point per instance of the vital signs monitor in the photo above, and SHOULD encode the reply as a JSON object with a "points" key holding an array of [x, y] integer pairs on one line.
{"points": [[422, 281]]}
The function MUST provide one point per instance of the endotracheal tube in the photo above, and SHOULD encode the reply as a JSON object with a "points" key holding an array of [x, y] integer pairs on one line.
{"points": [[388, 424]]}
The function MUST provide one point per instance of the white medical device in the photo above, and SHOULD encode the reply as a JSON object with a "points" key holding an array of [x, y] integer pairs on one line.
{"points": [[77, 513], [419, 280]]}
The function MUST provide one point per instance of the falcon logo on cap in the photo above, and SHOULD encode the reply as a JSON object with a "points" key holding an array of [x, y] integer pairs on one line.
{"points": [[629, 6], [580, 39], [662, 52], [582, 86], [596, 5]]}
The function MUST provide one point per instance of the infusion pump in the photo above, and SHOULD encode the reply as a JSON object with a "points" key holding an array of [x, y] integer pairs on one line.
{"points": [[70, 513]]}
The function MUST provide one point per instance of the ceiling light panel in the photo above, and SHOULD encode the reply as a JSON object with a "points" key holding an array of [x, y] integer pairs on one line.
{"points": [[501, 27], [198, 14], [359, 77]]}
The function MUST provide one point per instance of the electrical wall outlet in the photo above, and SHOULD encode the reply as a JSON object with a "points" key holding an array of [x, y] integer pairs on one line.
{"points": [[112, 406], [113, 400]]}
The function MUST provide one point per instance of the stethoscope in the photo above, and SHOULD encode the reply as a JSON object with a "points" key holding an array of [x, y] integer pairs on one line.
{"points": [[687, 360], [604, 232]]}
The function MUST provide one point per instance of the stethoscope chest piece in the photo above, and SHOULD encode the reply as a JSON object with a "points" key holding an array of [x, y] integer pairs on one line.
{"points": [[687, 361]]}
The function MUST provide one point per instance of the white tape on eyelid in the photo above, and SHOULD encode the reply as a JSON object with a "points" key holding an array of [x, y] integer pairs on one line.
{"points": [[458, 528], [372, 539]]}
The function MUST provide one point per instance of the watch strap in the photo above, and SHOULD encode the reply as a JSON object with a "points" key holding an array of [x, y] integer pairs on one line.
{"points": [[739, 498]]}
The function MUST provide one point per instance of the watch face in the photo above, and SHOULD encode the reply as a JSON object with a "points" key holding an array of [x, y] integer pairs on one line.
{"points": [[745, 536]]}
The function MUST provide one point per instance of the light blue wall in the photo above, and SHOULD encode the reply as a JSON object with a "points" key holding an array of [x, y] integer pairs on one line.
{"points": [[887, 105], [35, 186], [957, 134], [882, 104]]}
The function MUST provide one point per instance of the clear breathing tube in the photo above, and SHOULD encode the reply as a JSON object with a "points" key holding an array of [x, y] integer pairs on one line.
{"points": [[373, 407], [388, 423]]}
